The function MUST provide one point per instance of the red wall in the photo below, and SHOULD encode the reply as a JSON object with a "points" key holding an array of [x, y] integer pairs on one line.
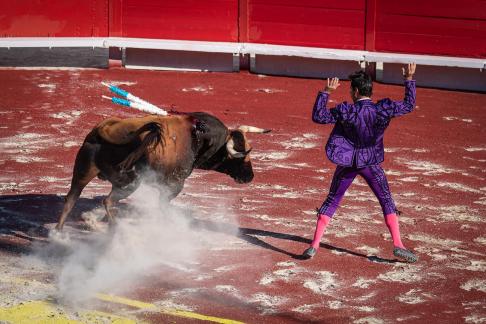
{"points": [[446, 27], [60, 18], [431, 27], [207, 20], [318, 23]]}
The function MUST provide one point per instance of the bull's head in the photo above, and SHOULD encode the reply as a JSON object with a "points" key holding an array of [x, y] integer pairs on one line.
{"points": [[236, 157]]}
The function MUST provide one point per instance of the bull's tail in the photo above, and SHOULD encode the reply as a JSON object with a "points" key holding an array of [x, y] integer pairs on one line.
{"points": [[153, 137]]}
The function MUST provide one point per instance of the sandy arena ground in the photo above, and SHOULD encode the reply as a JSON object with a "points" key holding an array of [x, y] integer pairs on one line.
{"points": [[228, 253]]}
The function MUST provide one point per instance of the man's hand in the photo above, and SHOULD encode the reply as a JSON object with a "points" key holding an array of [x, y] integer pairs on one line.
{"points": [[332, 85], [409, 72]]}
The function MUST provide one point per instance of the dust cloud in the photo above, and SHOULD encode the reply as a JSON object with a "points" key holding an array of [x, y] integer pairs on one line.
{"points": [[149, 233]]}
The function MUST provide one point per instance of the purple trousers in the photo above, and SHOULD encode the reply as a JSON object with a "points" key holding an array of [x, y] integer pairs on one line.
{"points": [[344, 176]]}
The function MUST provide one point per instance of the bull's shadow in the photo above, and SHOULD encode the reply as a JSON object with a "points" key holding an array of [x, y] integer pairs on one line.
{"points": [[26, 216]]}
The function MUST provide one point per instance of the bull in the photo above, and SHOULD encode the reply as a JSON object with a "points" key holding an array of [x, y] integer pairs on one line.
{"points": [[120, 150]]}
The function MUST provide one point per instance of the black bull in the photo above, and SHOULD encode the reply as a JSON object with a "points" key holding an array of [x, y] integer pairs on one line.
{"points": [[120, 150]]}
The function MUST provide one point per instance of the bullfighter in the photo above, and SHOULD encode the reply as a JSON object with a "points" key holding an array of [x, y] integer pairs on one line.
{"points": [[356, 146]]}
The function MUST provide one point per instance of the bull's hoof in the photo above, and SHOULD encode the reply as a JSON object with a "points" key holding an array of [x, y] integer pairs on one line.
{"points": [[405, 255], [309, 253]]}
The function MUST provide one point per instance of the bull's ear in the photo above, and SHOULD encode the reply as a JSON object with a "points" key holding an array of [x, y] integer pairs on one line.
{"points": [[253, 129]]}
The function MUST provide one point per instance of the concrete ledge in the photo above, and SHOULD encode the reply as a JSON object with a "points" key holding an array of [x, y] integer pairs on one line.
{"points": [[302, 66], [464, 62], [435, 71], [156, 59], [83, 57], [445, 77]]}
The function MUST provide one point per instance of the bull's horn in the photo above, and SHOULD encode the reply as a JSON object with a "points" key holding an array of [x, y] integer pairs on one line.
{"points": [[231, 150], [252, 129]]}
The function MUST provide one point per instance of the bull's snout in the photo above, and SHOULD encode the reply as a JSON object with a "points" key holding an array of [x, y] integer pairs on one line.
{"points": [[244, 179]]}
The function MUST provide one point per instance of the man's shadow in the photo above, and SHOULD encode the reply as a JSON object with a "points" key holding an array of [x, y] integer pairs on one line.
{"points": [[26, 216], [250, 236]]}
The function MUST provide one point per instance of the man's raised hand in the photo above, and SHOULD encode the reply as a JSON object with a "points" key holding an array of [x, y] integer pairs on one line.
{"points": [[332, 84], [409, 72]]}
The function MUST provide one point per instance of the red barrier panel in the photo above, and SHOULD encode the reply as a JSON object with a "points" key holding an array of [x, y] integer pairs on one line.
{"points": [[59, 18], [456, 28], [316, 23], [214, 20], [445, 27]]}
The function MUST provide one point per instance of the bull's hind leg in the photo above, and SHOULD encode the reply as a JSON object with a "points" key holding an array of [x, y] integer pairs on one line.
{"points": [[117, 194], [82, 175]]}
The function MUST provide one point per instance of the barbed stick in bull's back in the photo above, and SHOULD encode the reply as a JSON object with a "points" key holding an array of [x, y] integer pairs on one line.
{"points": [[356, 146]]}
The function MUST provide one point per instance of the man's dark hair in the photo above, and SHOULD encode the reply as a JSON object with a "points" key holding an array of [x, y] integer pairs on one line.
{"points": [[362, 81]]}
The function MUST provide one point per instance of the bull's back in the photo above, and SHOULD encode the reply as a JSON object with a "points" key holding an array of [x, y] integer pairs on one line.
{"points": [[119, 137], [174, 153]]}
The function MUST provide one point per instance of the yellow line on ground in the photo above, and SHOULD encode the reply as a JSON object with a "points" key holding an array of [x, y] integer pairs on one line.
{"points": [[107, 298], [167, 311], [47, 313], [125, 301]]}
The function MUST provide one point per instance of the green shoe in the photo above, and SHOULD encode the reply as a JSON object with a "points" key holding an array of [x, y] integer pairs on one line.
{"points": [[405, 255], [309, 253]]}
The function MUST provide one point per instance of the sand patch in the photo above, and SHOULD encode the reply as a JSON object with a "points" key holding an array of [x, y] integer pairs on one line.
{"points": [[71, 144], [409, 179], [270, 156], [475, 318], [425, 167], [457, 187], [434, 253], [68, 117], [306, 309], [471, 265], [287, 195], [268, 90], [325, 282], [119, 83], [202, 89], [366, 309], [25, 143], [425, 238], [403, 273], [335, 304], [304, 142], [284, 275], [267, 304], [475, 149], [450, 118], [481, 201], [475, 284], [414, 296], [48, 87], [368, 250], [455, 213], [364, 283], [369, 320], [480, 240], [28, 159], [228, 289]]}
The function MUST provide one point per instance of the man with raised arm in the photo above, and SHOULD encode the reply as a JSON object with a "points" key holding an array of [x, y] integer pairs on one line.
{"points": [[356, 147]]}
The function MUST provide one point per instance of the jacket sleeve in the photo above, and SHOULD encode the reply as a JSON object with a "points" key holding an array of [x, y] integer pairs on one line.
{"points": [[399, 108], [320, 113]]}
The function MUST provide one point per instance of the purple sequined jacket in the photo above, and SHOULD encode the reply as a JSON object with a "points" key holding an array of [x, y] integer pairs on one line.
{"points": [[357, 137]]}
